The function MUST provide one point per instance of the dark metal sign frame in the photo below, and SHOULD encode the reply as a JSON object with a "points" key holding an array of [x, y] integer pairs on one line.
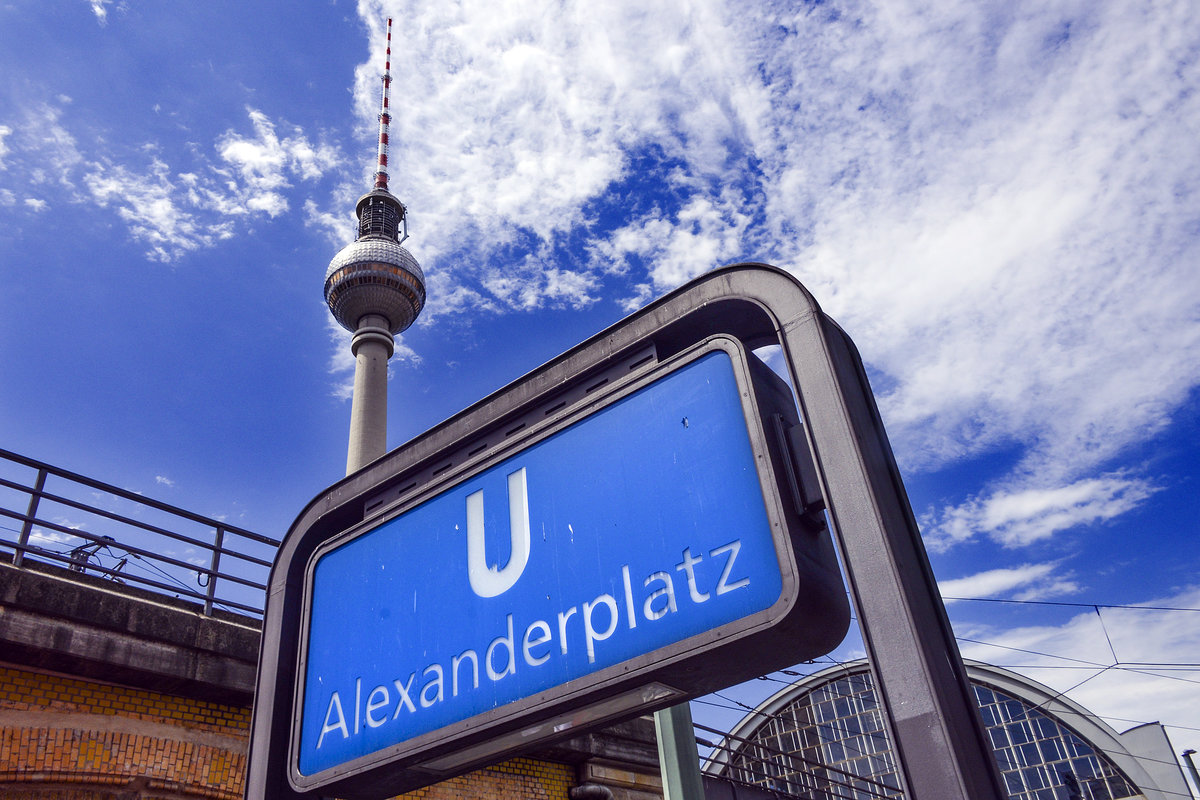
{"points": [[805, 617], [941, 748]]}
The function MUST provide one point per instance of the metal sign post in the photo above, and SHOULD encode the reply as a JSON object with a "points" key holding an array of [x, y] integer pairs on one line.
{"points": [[545, 640], [678, 759]]}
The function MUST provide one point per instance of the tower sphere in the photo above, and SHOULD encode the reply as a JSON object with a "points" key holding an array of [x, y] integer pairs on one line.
{"points": [[375, 275]]}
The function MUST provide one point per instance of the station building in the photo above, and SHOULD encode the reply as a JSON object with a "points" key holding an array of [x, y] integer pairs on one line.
{"points": [[823, 738]]}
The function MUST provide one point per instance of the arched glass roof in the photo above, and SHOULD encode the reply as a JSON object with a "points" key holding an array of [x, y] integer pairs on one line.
{"points": [[828, 742]]}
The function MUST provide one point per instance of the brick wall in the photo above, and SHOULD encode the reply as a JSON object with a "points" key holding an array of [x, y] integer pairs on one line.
{"points": [[519, 778], [64, 738]]}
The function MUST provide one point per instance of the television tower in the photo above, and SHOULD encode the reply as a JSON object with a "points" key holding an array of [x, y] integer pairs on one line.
{"points": [[375, 289]]}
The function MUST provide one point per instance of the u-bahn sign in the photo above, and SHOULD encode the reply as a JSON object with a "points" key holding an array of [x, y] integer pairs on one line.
{"points": [[631, 525], [576, 573]]}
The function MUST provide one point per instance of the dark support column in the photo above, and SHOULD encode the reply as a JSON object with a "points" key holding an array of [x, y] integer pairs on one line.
{"points": [[939, 741]]}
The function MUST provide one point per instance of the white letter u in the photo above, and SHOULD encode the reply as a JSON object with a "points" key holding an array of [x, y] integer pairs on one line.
{"points": [[492, 581]]}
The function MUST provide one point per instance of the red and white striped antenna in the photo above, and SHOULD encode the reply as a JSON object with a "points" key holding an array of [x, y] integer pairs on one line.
{"points": [[385, 117]]}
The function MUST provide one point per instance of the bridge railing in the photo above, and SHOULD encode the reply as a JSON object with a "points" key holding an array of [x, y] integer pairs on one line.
{"points": [[50, 515]]}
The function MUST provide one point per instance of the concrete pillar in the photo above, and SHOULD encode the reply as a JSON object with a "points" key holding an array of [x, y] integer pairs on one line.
{"points": [[372, 347]]}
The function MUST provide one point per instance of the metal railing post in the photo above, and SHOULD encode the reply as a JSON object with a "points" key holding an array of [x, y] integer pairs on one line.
{"points": [[30, 514], [214, 565]]}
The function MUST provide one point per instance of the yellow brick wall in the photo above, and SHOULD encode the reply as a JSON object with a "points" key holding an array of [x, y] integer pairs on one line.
{"points": [[57, 731], [517, 778], [69, 739], [20, 689]]}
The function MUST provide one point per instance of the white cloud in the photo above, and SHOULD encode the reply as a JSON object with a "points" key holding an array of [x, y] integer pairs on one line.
{"points": [[341, 360], [338, 228], [5, 132], [1132, 689], [946, 182], [535, 283], [1023, 582], [704, 233], [264, 162], [36, 204], [448, 297], [1012, 260], [162, 480], [147, 204], [45, 538], [575, 289], [170, 212], [1018, 517], [528, 115], [100, 9], [49, 154], [998, 206]]}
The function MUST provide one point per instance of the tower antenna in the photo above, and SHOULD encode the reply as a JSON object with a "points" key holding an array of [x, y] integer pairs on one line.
{"points": [[375, 289], [385, 117]]}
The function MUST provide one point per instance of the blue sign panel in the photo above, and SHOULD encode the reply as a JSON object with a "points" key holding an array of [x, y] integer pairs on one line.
{"points": [[633, 529]]}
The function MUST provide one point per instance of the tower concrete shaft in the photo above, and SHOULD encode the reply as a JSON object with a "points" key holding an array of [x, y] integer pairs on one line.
{"points": [[372, 346]]}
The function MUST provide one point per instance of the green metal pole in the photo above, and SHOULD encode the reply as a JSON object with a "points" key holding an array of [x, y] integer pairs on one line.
{"points": [[677, 755]]}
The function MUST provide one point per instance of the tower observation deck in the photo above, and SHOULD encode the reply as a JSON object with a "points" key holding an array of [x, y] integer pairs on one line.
{"points": [[375, 289]]}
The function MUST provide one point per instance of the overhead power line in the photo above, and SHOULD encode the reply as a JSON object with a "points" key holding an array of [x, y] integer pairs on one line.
{"points": [[1069, 605]]}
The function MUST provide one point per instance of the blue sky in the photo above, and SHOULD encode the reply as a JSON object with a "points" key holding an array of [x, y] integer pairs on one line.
{"points": [[1000, 202]]}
